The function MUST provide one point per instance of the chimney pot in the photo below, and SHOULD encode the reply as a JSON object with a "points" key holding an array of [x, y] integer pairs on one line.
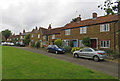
{"points": [[36, 28], [94, 15], [79, 18], [23, 31], [49, 28]]}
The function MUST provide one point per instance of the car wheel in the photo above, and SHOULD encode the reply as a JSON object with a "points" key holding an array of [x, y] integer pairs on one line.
{"points": [[56, 52], [96, 58], [76, 55]]}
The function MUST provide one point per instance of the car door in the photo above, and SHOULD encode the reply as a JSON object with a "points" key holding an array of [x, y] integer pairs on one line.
{"points": [[89, 52]]}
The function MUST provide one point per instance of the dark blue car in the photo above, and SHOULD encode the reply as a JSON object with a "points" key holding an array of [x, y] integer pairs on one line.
{"points": [[55, 49]]}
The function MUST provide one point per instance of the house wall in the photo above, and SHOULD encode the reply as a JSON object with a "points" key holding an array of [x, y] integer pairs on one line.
{"points": [[33, 38], [93, 32]]}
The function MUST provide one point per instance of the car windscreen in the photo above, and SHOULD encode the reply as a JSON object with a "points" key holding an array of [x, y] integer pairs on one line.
{"points": [[56, 46]]}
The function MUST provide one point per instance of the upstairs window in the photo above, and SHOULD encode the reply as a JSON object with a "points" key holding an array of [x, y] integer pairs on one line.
{"points": [[53, 36], [44, 37], [32, 35], [83, 30], [67, 32], [38, 35], [104, 27]]}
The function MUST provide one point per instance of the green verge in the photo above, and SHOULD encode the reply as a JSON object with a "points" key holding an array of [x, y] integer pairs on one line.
{"points": [[21, 64]]}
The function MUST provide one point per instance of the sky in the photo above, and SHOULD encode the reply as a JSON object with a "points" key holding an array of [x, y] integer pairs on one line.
{"points": [[17, 15]]}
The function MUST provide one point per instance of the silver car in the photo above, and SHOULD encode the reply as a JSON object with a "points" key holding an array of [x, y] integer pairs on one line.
{"points": [[94, 54]]}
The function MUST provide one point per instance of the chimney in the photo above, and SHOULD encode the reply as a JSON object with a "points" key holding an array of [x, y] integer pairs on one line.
{"points": [[14, 34], [79, 18], [23, 31], [49, 28], [94, 15], [20, 33], [36, 28]]}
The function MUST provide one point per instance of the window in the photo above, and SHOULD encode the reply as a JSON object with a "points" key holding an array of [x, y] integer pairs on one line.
{"points": [[38, 35], [65, 42], [67, 32], [53, 36], [32, 35], [81, 44], [21, 37], [44, 43], [83, 30], [104, 43], [104, 27], [44, 37]]}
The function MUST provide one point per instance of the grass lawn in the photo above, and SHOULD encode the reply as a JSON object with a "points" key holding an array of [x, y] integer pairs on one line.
{"points": [[21, 64]]}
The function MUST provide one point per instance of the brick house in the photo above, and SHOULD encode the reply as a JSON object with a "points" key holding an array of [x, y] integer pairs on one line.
{"points": [[100, 30], [45, 36], [33, 36], [22, 36]]}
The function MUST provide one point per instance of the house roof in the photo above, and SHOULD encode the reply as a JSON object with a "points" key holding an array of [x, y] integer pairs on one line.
{"points": [[51, 31], [44, 30], [25, 33], [55, 30], [93, 21]]}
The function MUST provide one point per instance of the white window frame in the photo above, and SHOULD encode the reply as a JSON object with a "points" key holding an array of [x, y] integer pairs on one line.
{"points": [[44, 37], [83, 30], [32, 35], [67, 31], [38, 35], [104, 44], [104, 27], [53, 36]]}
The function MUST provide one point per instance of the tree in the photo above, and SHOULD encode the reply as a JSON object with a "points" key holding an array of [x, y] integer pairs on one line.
{"points": [[86, 41], [14, 40], [58, 42], [27, 39], [37, 45], [6, 33], [110, 7]]}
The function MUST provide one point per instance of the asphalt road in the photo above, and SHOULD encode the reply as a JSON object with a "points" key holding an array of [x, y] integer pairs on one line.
{"points": [[102, 66]]}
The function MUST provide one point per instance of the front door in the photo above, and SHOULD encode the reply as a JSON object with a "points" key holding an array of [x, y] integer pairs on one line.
{"points": [[74, 43], [93, 43]]}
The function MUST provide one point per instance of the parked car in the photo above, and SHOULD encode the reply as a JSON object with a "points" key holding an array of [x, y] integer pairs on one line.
{"points": [[55, 48], [21, 44], [94, 54], [7, 44]]}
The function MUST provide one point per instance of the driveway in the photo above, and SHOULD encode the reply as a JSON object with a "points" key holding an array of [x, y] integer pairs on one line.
{"points": [[102, 66]]}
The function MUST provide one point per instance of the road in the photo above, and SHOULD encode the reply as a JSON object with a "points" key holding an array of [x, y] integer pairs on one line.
{"points": [[102, 66]]}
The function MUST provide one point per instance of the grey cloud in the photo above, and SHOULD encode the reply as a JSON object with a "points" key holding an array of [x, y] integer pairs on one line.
{"points": [[26, 14]]}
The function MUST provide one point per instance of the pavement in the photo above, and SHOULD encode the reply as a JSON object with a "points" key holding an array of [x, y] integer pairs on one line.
{"points": [[107, 67]]}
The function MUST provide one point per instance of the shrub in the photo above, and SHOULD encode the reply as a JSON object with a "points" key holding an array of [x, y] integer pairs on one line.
{"points": [[33, 45], [37, 45], [58, 42], [108, 51], [67, 48], [75, 49], [86, 41]]}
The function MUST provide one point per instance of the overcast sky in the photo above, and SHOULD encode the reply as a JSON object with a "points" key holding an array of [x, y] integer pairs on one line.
{"points": [[26, 14]]}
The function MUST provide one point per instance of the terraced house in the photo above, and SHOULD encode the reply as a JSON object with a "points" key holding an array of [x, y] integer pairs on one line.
{"points": [[102, 31], [45, 36], [22, 36]]}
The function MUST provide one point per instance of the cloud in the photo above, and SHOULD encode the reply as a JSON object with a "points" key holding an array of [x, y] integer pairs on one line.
{"points": [[26, 14]]}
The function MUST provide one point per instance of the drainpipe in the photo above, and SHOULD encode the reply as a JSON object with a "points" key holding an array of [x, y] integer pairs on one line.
{"points": [[115, 35]]}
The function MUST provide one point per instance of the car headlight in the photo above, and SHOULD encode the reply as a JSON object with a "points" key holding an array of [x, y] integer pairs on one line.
{"points": [[60, 49]]}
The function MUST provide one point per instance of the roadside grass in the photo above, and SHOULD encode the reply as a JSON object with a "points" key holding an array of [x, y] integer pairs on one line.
{"points": [[21, 64]]}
